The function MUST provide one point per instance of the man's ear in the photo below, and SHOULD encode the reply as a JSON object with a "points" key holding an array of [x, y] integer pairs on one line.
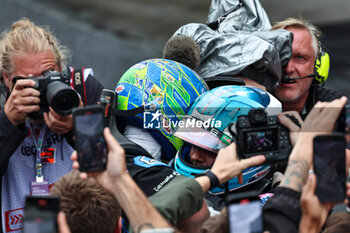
{"points": [[6, 80]]}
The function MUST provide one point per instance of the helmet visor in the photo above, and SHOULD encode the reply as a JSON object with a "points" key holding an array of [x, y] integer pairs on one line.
{"points": [[202, 134]]}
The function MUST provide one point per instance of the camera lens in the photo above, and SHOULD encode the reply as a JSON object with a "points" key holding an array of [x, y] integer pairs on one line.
{"points": [[61, 97], [257, 116]]}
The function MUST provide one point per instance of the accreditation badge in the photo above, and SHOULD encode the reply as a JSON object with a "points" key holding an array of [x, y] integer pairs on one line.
{"points": [[39, 188], [48, 155]]}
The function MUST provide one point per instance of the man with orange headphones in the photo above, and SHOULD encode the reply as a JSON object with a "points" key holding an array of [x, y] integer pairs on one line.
{"points": [[304, 76]]}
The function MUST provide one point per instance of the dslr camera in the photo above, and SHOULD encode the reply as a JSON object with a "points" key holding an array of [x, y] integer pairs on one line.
{"points": [[259, 134], [55, 91]]}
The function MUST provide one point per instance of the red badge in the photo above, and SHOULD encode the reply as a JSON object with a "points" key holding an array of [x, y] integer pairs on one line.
{"points": [[48, 155]]}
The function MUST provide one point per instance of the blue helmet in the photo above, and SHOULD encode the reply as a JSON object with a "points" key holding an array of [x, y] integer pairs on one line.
{"points": [[207, 126], [166, 86]]}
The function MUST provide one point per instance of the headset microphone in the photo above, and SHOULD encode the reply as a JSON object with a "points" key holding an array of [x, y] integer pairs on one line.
{"points": [[321, 70], [286, 79]]}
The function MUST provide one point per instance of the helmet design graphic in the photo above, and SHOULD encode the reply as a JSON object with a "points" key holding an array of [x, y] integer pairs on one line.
{"points": [[217, 110], [168, 88]]}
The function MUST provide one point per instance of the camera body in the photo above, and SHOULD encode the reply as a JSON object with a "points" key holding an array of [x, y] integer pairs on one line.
{"points": [[259, 134], [55, 91]]}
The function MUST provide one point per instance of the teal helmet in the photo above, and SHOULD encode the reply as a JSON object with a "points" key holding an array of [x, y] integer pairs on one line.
{"points": [[165, 89], [208, 122]]}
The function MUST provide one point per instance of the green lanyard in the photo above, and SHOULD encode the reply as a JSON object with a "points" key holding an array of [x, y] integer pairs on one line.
{"points": [[38, 144]]}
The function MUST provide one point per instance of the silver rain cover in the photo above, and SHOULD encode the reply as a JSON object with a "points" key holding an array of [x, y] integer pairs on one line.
{"points": [[236, 41]]}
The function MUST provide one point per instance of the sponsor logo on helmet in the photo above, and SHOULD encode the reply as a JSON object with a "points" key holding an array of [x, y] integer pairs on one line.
{"points": [[119, 88], [259, 174], [139, 66]]}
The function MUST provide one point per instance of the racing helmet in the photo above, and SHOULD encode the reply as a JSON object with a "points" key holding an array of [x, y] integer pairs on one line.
{"points": [[207, 126], [165, 90]]}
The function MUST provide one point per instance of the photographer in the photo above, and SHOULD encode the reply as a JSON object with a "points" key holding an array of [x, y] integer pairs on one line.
{"points": [[307, 71], [34, 145]]}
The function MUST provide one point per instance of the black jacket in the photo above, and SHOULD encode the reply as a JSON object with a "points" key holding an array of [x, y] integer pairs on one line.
{"points": [[318, 93], [282, 212]]}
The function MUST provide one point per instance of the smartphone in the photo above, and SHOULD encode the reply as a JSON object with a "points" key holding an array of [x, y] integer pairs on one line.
{"points": [[108, 102], [40, 215], [244, 213], [90, 143], [329, 167]]}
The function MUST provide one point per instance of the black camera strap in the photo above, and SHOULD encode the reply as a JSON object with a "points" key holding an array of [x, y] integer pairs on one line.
{"points": [[77, 78]]}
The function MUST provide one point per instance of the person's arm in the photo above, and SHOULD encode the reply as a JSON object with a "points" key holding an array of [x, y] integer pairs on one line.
{"points": [[11, 137], [21, 101], [139, 210], [314, 213], [320, 120], [282, 212], [141, 213], [227, 165]]}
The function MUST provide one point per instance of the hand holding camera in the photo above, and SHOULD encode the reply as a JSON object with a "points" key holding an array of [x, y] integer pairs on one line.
{"points": [[55, 92], [22, 101]]}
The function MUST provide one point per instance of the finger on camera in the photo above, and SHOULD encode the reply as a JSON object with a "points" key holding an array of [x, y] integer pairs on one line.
{"points": [[253, 161], [28, 109], [297, 116], [56, 115], [24, 83], [287, 122], [30, 100], [28, 92]]}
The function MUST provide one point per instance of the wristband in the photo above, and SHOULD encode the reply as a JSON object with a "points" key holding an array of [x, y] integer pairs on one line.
{"points": [[214, 181]]}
